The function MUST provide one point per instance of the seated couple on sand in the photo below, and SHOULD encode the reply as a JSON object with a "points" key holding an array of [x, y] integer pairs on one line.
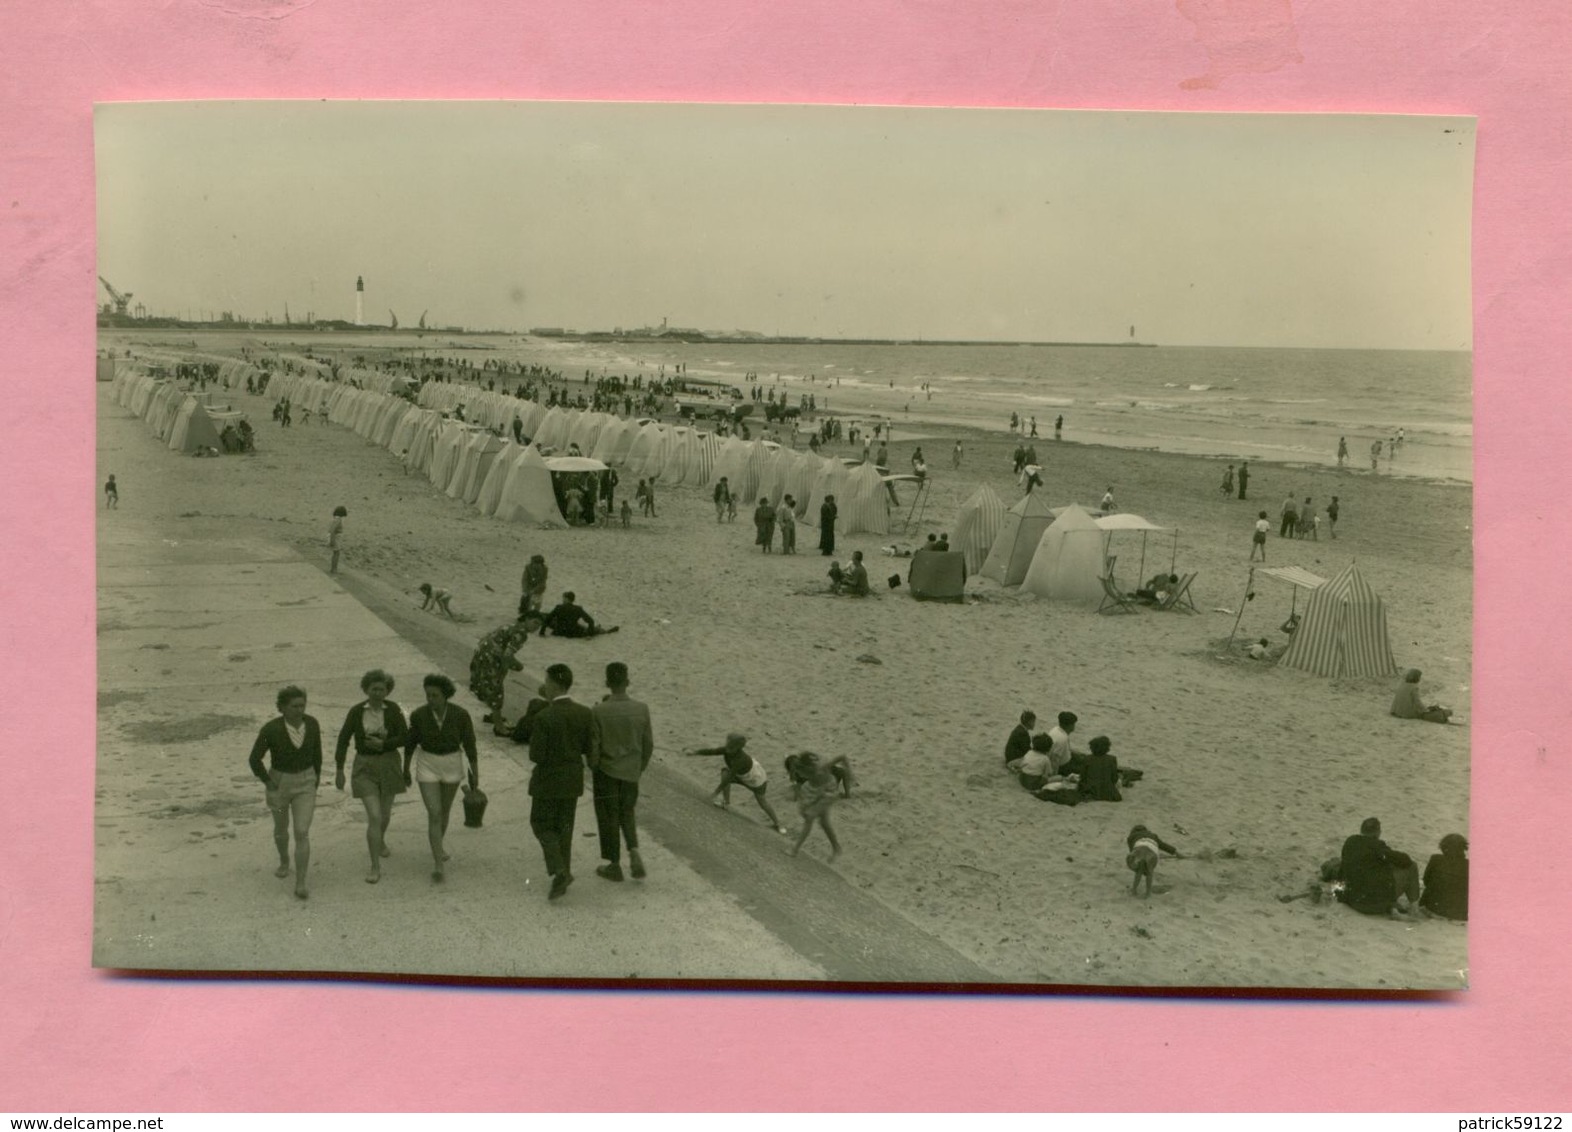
{"points": [[851, 579], [1377, 880]]}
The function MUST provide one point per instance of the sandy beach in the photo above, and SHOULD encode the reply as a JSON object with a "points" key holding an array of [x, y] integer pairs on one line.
{"points": [[1254, 772]]}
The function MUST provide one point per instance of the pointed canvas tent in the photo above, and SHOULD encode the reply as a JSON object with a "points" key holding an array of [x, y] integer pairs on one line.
{"points": [[799, 480], [611, 447], [527, 496], [977, 525], [1016, 544], [1068, 564], [496, 478], [1343, 631], [831, 480], [644, 455], [866, 507], [193, 428]]}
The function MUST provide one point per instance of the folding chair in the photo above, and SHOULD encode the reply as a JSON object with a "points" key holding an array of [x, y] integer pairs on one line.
{"points": [[1179, 597], [1114, 601]]}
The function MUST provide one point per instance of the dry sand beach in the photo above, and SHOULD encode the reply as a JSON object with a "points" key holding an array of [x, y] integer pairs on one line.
{"points": [[1254, 772]]}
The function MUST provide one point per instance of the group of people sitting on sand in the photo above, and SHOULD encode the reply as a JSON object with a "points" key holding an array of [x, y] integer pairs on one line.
{"points": [[1049, 766], [1374, 879]]}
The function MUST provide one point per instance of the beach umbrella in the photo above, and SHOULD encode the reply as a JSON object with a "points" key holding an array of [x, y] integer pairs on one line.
{"points": [[1108, 524]]}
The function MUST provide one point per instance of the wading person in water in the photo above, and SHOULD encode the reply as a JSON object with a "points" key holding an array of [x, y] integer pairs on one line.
{"points": [[378, 728], [293, 746], [441, 736]]}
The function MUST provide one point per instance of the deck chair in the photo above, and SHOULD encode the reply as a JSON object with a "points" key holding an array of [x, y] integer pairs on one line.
{"points": [[1179, 597], [1114, 601]]}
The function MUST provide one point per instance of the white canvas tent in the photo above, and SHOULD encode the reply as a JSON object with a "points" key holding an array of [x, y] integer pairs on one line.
{"points": [[866, 507], [1068, 564], [527, 496], [1016, 544]]}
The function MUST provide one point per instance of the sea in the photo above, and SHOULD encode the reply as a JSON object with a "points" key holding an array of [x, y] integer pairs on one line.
{"points": [[1278, 405], [1263, 404]]}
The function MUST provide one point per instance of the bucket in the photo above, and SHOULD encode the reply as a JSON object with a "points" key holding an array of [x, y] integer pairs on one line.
{"points": [[474, 806]]}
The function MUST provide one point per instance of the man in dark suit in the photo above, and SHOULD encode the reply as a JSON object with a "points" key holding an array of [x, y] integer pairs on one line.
{"points": [[561, 738], [568, 619], [1020, 740]]}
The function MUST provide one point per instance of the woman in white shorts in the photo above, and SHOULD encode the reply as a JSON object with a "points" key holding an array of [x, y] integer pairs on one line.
{"points": [[441, 735]]}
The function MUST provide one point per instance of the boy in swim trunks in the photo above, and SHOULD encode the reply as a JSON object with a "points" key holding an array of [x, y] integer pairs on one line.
{"points": [[741, 769], [1144, 846]]}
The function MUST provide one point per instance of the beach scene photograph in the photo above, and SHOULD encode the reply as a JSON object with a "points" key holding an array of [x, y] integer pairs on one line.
{"points": [[788, 546]]}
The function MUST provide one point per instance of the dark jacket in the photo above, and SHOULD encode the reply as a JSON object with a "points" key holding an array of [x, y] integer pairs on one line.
{"points": [[1019, 742], [456, 733], [284, 757], [561, 738], [392, 719], [1446, 886], [1100, 779], [566, 617], [1369, 885]]}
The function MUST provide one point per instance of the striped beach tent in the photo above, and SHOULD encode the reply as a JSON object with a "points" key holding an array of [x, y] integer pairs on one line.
{"points": [[831, 480], [729, 462], [772, 482], [977, 525], [1011, 554], [674, 452], [702, 447], [867, 506], [799, 481], [496, 477], [1343, 631]]}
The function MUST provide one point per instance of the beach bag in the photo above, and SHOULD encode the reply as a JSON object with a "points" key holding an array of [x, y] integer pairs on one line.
{"points": [[1064, 797], [474, 806]]}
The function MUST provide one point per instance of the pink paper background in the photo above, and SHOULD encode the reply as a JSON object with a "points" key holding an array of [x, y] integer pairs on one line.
{"points": [[73, 1039]]}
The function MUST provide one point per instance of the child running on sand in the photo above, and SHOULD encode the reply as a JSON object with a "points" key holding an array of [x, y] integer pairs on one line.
{"points": [[742, 769], [816, 793], [1144, 846], [437, 599], [1258, 540]]}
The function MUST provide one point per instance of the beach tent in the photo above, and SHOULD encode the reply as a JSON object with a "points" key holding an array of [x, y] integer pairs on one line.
{"points": [[643, 458], [587, 474], [1068, 563], [106, 367], [866, 507], [193, 428], [475, 477], [490, 494], [831, 480], [1016, 544], [611, 446], [800, 479], [1343, 631], [977, 525], [552, 430], [527, 496], [937, 575]]}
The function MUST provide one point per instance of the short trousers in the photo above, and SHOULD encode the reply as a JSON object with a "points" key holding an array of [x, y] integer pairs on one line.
{"points": [[447, 768], [375, 775], [1260, 537], [285, 786], [755, 779], [1141, 859]]}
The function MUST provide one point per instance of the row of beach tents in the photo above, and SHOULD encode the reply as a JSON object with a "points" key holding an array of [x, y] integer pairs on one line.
{"points": [[186, 421]]}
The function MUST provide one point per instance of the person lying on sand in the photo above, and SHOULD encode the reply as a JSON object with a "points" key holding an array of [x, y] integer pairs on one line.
{"points": [[568, 619], [1406, 703], [437, 599], [1143, 847], [852, 579], [740, 769]]}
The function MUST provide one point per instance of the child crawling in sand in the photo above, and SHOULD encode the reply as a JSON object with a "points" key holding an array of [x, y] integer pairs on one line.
{"points": [[437, 599], [741, 769], [1144, 846], [817, 790]]}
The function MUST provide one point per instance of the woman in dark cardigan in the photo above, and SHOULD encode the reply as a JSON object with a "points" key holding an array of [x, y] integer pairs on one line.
{"points": [[444, 734], [293, 744], [377, 726]]}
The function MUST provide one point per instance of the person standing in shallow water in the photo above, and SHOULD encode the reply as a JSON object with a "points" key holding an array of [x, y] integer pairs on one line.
{"points": [[827, 513], [293, 744]]}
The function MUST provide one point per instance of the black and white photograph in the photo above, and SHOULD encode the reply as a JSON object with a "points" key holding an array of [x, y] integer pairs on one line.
{"points": [[784, 545]]}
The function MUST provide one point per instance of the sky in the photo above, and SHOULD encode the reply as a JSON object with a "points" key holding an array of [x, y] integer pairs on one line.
{"points": [[1019, 225]]}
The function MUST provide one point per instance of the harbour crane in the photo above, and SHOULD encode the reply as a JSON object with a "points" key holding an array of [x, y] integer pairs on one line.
{"points": [[122, 299]]}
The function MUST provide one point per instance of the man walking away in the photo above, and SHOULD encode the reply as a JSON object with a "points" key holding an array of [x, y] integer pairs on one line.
{"points": [[623, 743]]}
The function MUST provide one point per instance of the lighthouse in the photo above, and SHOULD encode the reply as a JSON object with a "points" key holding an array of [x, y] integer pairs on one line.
{"points": [[360, 301]]}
